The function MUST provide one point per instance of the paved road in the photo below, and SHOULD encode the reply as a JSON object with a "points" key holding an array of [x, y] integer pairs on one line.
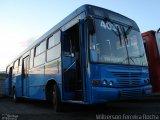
{"points": [[148, 108]]}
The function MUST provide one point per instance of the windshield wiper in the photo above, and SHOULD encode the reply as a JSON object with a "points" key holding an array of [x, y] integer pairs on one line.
{"points": [[138, 56], [119, 35], [117, 28], [135, 57], [128, 30], [128, 58], [132, 57]]}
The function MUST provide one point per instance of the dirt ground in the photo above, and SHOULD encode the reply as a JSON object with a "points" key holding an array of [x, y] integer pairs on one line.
{"points": [[148, 108]]}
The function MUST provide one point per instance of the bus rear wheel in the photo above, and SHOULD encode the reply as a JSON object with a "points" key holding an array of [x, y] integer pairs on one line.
{"points": [[56, 101]]}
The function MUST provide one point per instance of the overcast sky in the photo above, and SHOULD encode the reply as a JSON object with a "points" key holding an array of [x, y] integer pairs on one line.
{"points": [[23, 21]]}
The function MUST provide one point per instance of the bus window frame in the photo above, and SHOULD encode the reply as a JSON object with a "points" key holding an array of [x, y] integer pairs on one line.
{"points": [[38, 45], [54, 34]]}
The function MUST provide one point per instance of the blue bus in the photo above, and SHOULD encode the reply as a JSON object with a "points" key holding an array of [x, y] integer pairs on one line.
{"points": [[92, 56]]}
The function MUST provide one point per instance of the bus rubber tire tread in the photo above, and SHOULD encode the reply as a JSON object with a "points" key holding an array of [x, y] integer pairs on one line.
{"points": [[58, 106]]}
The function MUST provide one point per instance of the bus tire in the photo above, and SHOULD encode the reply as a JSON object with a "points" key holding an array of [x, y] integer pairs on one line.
{"points": [[15, 98], [56, 100]]}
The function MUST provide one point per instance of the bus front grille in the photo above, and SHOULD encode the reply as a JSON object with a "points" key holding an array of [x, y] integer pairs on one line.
{"points": [[128, 83], [127, 74], [128, 79], [131, 93]]}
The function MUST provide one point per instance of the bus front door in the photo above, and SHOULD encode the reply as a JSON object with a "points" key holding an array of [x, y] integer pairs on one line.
{"points": [[71, 63], [25, 76]]}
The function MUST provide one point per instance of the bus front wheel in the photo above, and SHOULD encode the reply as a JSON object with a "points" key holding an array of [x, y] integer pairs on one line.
{"points": [[56, 101], [15, 99]]}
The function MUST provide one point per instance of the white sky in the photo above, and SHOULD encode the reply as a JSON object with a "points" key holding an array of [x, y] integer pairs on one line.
{"points": [[23, 21]]}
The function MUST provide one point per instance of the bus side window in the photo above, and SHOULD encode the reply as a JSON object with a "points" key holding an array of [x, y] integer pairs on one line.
{"points": [[39, 58], [31, 58], [68, 46], [54, 47], [16, 66], [54, 40], [40, 48], [20, 65]]}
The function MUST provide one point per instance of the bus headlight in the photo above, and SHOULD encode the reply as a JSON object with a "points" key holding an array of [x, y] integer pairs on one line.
{"points": [[104, 82], [110, 83], [146, 81]]}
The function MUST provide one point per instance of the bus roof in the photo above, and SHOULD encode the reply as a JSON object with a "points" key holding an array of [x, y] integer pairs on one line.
{"points": [[90, 10]]}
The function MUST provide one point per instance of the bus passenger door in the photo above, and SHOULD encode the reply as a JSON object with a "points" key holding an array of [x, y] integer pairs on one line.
{"points": [[71, 63], [25, 72]]}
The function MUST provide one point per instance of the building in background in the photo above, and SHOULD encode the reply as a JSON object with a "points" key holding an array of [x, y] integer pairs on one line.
{"points": [[3, 76]]}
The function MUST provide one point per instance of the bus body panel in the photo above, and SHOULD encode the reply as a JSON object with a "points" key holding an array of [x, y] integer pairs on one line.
{"points": [[102, 95], [130, 80], [36, 83], [18, 85], [7, 87]]}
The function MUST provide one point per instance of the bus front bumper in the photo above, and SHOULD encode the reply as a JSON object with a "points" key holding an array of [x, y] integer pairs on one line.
{"points": [[104, 94]]}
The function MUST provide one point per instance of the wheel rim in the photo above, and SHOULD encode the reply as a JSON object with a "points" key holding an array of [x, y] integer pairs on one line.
{"points": [[14, 96], [54, 96]]}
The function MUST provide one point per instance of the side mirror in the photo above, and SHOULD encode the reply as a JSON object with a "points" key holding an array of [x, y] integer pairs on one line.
{"points": [[90, 25]]}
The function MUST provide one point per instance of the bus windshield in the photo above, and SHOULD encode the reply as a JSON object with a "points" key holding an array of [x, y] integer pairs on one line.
{"points": [[117, 44]]}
